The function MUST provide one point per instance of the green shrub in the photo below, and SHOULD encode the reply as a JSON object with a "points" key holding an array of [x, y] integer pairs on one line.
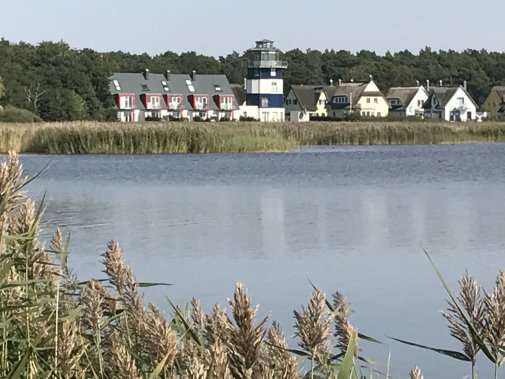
{"points": [[13, 114]]}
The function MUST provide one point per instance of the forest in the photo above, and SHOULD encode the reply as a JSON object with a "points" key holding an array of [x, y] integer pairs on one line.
{"points": [[51, 81]]}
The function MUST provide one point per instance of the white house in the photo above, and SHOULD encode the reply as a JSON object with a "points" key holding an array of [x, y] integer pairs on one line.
{"points": [[305, 101], [450, 104], [406, 101], [364, 99]]}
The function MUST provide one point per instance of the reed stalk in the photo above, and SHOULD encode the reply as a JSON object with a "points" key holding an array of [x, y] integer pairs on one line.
{"points": [[238, 137]]}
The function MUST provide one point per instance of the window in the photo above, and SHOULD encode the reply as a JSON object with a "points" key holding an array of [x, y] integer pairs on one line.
{"points": [[273, 73], [164, 84], [264, 102], [461, 101], [226, 103], [375, 101], [127, 102], [420, 103], [116, 84], [288, 101], [368, 100], [295, 102], [201, 102], [190, 85], [340, 100], [217, 88], [274, 87], [154, 102], [175, 102]]}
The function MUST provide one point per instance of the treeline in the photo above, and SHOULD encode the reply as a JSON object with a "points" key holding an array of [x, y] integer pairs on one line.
{"points": [[54, 82]]}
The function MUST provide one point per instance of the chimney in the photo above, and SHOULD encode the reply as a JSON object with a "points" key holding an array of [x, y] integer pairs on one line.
{"points": [[193, 75], [167, 75], [417, 83], [146, 74], [339, 82], [331, 82], [371, 77], [464, 84], [440, 82], [352, 80], [428, 85]]}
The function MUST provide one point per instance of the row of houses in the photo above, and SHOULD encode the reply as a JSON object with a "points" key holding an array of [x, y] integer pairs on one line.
{"points": [[143, 96], [450, 103]]}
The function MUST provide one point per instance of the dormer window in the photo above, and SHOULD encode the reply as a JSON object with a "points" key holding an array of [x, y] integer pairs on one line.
{"points": [[226, 103], [201, 102], [145, 87], [395, 102], [175, 102], [340, 100]]}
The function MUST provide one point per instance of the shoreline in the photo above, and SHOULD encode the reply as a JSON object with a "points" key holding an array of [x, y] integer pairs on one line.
{"points": [[88, 137]]}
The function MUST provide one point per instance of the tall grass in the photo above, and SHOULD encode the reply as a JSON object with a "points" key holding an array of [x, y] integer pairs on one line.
{"points": [[172, 137]]}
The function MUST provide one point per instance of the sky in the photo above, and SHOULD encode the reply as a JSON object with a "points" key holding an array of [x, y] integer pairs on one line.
{"points": [[220, 27]]}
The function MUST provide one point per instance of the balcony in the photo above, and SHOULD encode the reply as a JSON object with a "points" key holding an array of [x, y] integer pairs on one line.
{"points": [[267, 64], [226, 107]]}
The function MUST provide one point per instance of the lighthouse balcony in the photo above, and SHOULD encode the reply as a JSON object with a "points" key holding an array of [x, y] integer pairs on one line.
{"points": [[267, 64]]}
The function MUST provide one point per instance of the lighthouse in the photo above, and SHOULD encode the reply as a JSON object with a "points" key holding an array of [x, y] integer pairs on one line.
{"points": [[264, 84]]}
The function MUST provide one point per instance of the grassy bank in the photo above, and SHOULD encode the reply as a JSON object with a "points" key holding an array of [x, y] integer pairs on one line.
{"points": [[172, 137]]}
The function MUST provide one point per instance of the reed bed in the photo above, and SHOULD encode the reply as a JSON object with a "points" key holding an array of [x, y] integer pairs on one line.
{"points": [[54, 326], [232, 137]]}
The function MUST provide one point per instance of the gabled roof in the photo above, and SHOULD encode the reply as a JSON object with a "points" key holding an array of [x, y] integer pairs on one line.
{"points": [[500, 90], [308, 95], [444, 95], [239, 92], [354, 90], [351, 90], [175, 84], [404, 94]]}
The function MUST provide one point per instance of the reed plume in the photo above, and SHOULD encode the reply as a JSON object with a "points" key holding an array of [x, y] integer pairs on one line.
{"points": [[120, 363], [244, 339], [343, 328], [494, 304], [415, 373], [280, 361], [312, 326], [471, 301]]}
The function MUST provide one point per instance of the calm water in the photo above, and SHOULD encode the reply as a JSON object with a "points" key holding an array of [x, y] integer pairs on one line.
{"points": [[354, 219]]}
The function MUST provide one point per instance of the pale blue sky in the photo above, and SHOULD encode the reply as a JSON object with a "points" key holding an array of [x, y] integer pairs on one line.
{"points": [[218, 27]]}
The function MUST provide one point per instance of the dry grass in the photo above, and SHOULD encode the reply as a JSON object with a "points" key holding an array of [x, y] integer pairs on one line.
{"points": [[173, 137]]}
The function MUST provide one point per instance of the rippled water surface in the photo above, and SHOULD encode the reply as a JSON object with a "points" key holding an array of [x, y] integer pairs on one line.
{"points": [[354, 219]]}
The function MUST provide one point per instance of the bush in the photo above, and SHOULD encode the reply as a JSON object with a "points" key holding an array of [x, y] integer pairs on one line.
{"points": [[13, 114], [246, 118]]}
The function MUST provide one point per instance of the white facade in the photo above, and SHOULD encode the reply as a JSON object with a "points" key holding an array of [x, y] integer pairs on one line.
{"points": [[460, 107], [264, 86], [416, 105]]}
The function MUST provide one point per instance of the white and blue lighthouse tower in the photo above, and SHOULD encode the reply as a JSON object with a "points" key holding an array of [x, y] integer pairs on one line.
{"points": [[264, 84]]}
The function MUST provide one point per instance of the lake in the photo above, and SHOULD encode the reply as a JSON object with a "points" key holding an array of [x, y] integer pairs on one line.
{"points": [[353, 219]]}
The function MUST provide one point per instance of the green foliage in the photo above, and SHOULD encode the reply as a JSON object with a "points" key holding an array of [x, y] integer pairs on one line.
{"points": [[13, 114], [31, 74]]}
